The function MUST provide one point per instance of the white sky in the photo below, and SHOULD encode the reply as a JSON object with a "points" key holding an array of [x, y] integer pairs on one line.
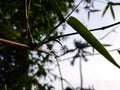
{"points": [[97, 72]]}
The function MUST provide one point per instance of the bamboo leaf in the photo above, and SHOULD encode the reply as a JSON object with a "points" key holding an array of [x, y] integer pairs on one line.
{"points": [[56, 8], [118, 51], [88, 15], [106, 8], [94, 10], [1, 12], [9, 32], [112, 11], [107, 45], [87, 35], [37, 5]]}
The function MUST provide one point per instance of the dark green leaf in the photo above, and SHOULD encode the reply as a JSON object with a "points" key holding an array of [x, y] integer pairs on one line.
{"points": [[95, 10], [9, 32], [37, 5], [87, 35], [112, 11], [118, 51], [1, 12], [106, 8], [56, 8], [106, 44]]}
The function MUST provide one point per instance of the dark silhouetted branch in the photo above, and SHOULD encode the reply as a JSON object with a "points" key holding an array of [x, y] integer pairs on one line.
{"points": [[96, 29], [59, 69], [45, 39]]}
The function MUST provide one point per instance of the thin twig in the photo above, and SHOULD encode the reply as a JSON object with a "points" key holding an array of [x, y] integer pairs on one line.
{"points": [[108, 33], [73, 9], [57, 26], [96, 29], [46, 52], [105, 27], [14, 43], [81, 76], [70, 34], [57, 37], [45, 39], [63, 80], [27, 9], [89, 54], [60, 73]]}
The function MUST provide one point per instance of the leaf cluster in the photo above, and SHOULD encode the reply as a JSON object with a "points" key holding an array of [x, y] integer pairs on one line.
{"points": [[110, 6]]}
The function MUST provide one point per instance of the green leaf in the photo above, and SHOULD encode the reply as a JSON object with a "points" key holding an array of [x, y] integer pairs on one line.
{"points": [[9, 32], [118, 51], [107, 45], [94, 10], [87, 35], [106, 8], [1, 12], [56, 8], [112, 11], [37, 5]]}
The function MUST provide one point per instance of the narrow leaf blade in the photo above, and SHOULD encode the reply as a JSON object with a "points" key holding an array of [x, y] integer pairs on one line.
{"points": [[94, 10], [112, 11], [56, 8], [9, 32], [87, 35], [118, 51], [106, 8]]}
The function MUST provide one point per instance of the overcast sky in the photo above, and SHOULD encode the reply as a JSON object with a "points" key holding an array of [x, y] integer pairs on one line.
{"points": [[97, 72]]}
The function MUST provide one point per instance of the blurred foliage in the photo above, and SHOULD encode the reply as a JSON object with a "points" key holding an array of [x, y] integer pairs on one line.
{"points": [[17, 65]]}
